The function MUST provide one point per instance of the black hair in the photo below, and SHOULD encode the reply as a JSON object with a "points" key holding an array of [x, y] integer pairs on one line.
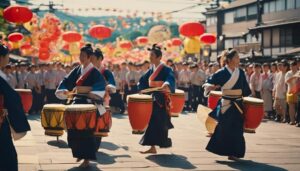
{"points": [[156, 50], [293, 63], [98, 53], [87, 49], [3, 50], [257, 65], [266, 64], [228, 55]]}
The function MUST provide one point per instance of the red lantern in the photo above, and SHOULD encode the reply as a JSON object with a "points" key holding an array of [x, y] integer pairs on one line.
{"points": [[208, 38], [15, 37], [71, 36], [66, 47], [142, 40], [44, 55], [17, 14], [191, 29], [26, 46], [125, 45], [176, 42], [100, 32]]}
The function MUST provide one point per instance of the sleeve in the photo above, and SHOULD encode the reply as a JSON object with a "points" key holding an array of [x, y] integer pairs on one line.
{"points": [[66, 84], [144, 81], [98, 87], [215, 79], [111, 80], [13, 104], [170, 80]]}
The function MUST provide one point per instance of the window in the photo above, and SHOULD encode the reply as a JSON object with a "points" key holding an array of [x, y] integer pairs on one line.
{"points": [[228, 43], [291, 4], [280, 5], [289, 37], [266, 7], [211, 20], [297, 3], [272, 6], [240, 14], [229, 17], [252, 12], [267, 38], [275, 37]]}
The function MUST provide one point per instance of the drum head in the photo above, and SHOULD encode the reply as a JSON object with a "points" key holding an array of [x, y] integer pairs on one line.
{"points": [[80, 107], [215, 93], [139, 97], [54, 106], [179, 92], [23, 90], [253, 100]]}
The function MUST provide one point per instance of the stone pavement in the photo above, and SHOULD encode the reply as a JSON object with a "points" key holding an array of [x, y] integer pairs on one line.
{"points": [[274, 147]]}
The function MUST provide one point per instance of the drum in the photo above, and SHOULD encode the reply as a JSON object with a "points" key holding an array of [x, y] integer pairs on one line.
{"points": [[213, 99], [103, 124], [26, 98], [52, 118], [80, 116], [177, 102], [254, 113], [139, 112]]}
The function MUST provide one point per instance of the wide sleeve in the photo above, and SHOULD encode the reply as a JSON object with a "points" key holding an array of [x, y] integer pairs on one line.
{"points": [[98, 86], [67, 84], [170, 80], [13, 104], [144, 81], [216, 79]]}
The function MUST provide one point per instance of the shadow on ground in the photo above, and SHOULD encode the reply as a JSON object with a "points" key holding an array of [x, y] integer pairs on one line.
{"points": [[106, 159], [119, 116], [249, 165], [112, 147], [93, 167], [35, 117], [59, 143], [171, 161]]}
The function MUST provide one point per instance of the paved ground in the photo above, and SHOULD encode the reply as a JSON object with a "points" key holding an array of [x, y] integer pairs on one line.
{"points": [[274, 147]]}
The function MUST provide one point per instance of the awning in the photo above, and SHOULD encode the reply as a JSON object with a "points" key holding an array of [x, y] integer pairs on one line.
{"points": [[295, 51], [276, 23], [240, 3]]}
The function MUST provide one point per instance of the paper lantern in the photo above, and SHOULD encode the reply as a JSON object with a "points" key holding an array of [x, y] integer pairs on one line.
{"points": [[192, 45], [142, 40], [15, 37], [44, 55], [17, 14], [71, 36], [100, 32], [191, 29], [125, 45], [208, 38], [176, 42], [74, 48]]}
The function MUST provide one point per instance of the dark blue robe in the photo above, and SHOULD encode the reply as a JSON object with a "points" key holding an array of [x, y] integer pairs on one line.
{"points": [[160, 122], [83, 143], [228, 138], [18, 121], [109, 79]]}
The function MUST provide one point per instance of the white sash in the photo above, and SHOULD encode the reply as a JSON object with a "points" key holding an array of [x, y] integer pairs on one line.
{"points": [[229, 85]]}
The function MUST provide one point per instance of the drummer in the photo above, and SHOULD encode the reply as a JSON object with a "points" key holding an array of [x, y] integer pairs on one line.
{"points": [[14, 113], [228, 139], [82, 142], [159, 75], [110, 87]]}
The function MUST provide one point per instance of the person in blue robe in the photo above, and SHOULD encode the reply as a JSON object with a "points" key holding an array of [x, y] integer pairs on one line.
{"points": [[83, 142], [159, 75], [228, 139], [110, 86], [13, 116]]}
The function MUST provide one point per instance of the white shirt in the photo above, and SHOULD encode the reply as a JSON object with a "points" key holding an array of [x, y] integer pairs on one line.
{"points": [[293, 82], [3, 75]]}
